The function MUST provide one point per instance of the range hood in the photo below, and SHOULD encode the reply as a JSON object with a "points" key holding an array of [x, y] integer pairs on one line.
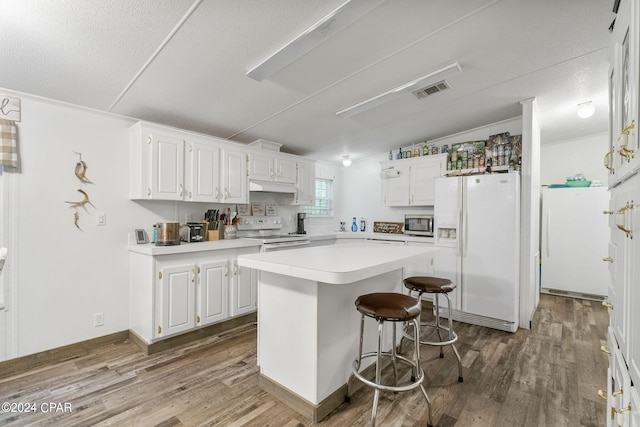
{"points": [[271, 187]]}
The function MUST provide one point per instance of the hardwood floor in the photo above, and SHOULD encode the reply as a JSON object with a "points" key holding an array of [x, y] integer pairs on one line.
{"points": [[546, 376]]}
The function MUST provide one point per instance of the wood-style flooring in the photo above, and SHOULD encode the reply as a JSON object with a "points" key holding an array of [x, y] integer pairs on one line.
{"points": [[546, 376]]}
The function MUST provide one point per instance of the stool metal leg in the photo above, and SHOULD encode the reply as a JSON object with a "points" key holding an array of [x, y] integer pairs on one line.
{"points": [[416, 353], [376, 394], [451, 338]]}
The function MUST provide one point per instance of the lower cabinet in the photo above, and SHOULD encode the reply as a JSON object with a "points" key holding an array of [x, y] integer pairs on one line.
{"points": [[174, 294]]}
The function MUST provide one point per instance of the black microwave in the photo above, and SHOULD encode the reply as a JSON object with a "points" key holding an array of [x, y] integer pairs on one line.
{"points": [[418, 225]]}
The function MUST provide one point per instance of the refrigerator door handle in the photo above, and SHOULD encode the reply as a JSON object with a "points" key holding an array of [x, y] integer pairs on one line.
{"points": [[547, 233]]}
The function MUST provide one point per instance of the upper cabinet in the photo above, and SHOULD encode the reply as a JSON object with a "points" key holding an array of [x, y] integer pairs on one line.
{"points": [[411, 182], [272, 167], [170, 164], [623, 159], [305, 183]]}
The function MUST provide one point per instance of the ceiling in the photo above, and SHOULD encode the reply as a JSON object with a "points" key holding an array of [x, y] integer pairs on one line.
{"points": [[184, 62]]}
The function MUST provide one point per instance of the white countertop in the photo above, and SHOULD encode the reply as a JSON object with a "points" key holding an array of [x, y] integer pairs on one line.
{"points": [[338, 264], [214, 245]]}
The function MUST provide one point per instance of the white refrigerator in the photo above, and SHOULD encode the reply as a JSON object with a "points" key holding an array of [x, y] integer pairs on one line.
{"points": [[477, 227], [575, 236]]}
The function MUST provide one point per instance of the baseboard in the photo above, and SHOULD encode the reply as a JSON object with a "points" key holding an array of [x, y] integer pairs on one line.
{"points": [[188, 337], [572, 294], [59, 354], [82, 348]]}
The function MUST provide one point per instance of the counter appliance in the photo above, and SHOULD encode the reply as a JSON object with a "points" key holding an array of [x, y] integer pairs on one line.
{"points": [[192, 232], [477, 227], [418, 225], [301, 218], [167, 233]]}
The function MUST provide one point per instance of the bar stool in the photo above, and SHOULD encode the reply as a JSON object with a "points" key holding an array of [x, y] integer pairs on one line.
{"points": [[436, 286], [389, 307]]}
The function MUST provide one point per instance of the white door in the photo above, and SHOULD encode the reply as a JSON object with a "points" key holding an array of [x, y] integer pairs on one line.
{"points": [[490, 243], [234, 177], [213, 292], [262, 167], [286, 170], [204, 172], [305, 184], [574, 239], [177, 299], [243, 289], [423, 183], [167, 167], [395, 187]]}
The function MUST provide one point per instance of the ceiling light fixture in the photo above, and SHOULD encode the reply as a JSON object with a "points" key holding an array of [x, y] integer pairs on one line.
{"points": [[341, 17], [428, 79], [586, 110], [346, 161]]}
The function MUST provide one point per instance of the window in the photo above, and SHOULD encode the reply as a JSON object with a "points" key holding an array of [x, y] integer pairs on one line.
{"points": [[324, 199]]}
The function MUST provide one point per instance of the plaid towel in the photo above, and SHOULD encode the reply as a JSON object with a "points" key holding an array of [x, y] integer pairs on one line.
{"points": [[8, 144]]}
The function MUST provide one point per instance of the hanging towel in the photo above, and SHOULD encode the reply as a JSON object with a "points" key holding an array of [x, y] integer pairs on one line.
{"points": [[8, 143]]}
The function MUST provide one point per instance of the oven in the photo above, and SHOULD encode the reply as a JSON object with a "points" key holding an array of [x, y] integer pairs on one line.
{"points": [[267, 230], [276, 243]]}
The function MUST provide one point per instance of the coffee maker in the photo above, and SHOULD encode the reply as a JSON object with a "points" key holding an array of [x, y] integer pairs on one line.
{"points": [[301, 218]]}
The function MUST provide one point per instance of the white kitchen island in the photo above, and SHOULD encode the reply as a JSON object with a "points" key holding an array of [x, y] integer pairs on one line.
{"points": [[308, 326]]}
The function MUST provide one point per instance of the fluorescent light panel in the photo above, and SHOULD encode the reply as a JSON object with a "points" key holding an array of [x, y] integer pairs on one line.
{"points": [[334, 22], [428, 79]]}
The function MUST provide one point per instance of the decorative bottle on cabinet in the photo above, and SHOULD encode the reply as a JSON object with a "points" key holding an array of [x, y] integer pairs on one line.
{"points": [[363, 224], [354, 225]]}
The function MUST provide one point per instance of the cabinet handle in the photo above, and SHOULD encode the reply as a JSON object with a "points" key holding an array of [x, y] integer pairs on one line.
{"points": [[226, 270], [159, 330], [623, 410], [608, 162], [193, 275], [623, 212], [148, 192], [602, 394], [190, 195], [235, 268], [607, 304], [198, 321], [217, 193], [149, 139], [608, 212], [271, 172], [605, 349], [226, 194], [623, 139], [607, 259]]}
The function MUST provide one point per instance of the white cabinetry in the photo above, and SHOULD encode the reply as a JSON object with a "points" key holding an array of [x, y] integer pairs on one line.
{"points": [[203, 172], [173, 294], [170, 164], [305, 183], [235, 176], [265, 167], [411, 182], [624, 221]]}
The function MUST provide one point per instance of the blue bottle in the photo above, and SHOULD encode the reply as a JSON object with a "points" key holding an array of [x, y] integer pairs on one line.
{"points": [[354, 225]]}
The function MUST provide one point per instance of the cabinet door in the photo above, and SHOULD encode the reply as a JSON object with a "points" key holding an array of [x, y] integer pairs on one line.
{"points": [[261, 167], [286, 170], [634, 280], [203, 172], [423, 189], [305, 184], [395, 187], [177, 299], [213, 292], [167, 168], [243, 290], [634, 416], [235, 176]]}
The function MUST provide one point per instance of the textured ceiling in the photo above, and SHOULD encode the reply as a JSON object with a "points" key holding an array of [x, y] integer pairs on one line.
{"points": [[184, 63]]}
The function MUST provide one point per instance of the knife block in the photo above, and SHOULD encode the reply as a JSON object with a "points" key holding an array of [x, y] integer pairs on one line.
{"points": [[214, 234]]}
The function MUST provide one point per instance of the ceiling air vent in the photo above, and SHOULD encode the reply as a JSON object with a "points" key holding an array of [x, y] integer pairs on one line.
{"points": [[430, 90]]}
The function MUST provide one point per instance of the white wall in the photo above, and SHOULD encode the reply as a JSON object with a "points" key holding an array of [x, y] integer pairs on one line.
{"points": [[61, 275], [563, 159]]}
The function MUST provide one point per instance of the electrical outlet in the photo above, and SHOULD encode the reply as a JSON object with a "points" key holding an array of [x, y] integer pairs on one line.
{"points": [[98, 319], [101, 218]]}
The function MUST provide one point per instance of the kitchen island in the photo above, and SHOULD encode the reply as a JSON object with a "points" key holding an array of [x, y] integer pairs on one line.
{"points": [[308, 326]]}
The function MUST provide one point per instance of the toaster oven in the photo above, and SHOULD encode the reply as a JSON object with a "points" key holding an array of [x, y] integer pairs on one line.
{"points": [[192, 232]]}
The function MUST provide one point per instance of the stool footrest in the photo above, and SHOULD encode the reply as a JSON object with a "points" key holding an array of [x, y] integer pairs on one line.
{"points": [[453, 337], [394, 388]]}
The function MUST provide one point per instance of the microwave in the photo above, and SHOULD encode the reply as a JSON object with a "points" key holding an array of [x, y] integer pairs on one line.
{"points": [[418, 225]]}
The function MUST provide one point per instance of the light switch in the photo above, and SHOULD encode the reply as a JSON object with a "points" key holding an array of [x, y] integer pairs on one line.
{"points": [[101, 218]]}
